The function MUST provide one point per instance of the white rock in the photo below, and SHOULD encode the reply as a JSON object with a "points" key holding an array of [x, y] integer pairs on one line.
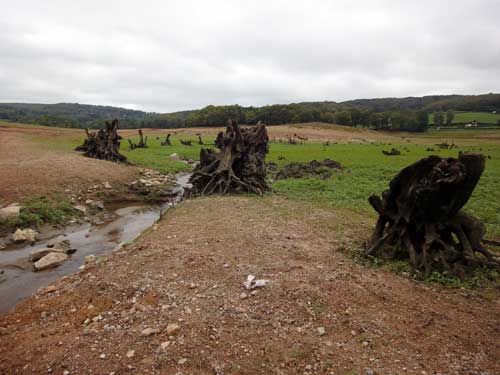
{"points": [[164, 345], [182, 361], [174, 156], [24, 235], [130, 353], [50, 260], [80, 208], [321, 331], [107, 185], [10, 212], [173, 329], [149, 331]]}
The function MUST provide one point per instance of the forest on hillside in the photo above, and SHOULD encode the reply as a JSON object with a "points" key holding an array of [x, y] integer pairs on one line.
{"points": [[410, 114]]}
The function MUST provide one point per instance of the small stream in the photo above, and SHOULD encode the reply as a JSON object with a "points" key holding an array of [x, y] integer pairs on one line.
{"points": [[127, 222]]}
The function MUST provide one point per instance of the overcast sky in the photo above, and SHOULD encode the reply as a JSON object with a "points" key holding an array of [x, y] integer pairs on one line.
{"points": [[174, 55]]}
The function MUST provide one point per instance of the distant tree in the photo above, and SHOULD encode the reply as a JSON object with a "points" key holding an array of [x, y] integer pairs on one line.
{"points": [[423, 121], [343, 118], [438, 118], [450, 115]]}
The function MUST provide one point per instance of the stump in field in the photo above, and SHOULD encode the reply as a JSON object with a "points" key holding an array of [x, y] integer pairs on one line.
{"points": [[420, 219], [103, 144], [200, 141], [239, 166], [393, 152], [186, 142], [167, 140], [142, 141]]}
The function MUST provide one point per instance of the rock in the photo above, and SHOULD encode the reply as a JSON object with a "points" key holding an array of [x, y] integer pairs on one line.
{"points": [[99, 205], [174, 156], [50, 260], [164, 345], [321, 331], [102, 356], [130, 353], [107, 185], [90, 258], [243, 296], [21, 235], [173, 329], [149, 331], [369, 371], [89, 201], [182, 361], [10, 212], [63, 247], [80, 208]]}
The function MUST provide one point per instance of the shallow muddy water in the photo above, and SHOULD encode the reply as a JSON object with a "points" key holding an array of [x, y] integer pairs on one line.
{"points": [[127, 222]]}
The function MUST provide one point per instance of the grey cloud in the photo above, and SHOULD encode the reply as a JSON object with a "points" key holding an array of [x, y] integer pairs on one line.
{"points": [[173, 55]]}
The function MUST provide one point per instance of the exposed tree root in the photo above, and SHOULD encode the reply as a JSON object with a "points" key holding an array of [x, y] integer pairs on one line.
{"points": [[103, 144], [239, 166], [420, 219]]}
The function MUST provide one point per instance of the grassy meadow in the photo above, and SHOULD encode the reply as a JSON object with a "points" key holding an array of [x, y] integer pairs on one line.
{"points": [[468, 117], [366, 169]]}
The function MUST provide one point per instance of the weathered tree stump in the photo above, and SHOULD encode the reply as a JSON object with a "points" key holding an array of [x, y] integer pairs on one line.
{"points": [[103, 144], [200, 141], [142, 141], [420, 219], [393, 152], [167, 141], [186, 142], [239, 166]]}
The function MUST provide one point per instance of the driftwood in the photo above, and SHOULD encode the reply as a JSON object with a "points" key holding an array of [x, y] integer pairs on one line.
{"points": [[186, 142], [142, 142], [420, 219], [103, 144], [167, 141], [239, 166], [393, 152]]}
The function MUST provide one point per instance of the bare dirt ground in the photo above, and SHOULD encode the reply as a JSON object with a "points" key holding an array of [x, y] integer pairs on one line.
{"points": [[321, 313], [28, 170]]}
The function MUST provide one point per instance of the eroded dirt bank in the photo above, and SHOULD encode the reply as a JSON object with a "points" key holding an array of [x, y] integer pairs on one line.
{"points": [[320, 313]]}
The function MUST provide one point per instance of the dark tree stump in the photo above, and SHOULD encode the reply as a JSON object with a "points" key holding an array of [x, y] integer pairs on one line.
{"points": [[142, 141], [167, 141], [200, 141], [420, 219], [239, 166], [186, 142], [103, 144]]}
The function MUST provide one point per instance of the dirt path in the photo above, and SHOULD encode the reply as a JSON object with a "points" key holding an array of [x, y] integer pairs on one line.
{"points": [[189, 271], [28, 170]]}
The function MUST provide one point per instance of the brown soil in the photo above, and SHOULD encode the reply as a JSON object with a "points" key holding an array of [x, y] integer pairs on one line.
{"points": [[189, 270], [28, 170]]}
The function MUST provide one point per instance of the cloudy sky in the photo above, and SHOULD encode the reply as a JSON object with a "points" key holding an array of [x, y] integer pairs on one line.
{"points": [[174, 55]]}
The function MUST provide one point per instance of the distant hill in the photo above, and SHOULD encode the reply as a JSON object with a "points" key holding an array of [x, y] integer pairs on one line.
{"points": [[380, 113]]}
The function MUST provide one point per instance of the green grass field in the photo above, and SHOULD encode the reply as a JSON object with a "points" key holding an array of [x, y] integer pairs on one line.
{"points": [[468, 117], [366, 170]]}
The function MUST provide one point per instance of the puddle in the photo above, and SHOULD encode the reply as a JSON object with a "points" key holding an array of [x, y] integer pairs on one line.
{"points": [[18, 281]]}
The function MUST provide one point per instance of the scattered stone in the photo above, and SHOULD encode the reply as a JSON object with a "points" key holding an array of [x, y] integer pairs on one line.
{"points": [[164, 345], [243, 296], [182, 361], [370, 371], [173, 329], [150, 331], [50, 260], [99, 205], [174, 156], [321, 331], [80, 208], [102, 356], [21, 235], [89, 201], [63, 247], [130, 353], [107, 185], [10, 212]]}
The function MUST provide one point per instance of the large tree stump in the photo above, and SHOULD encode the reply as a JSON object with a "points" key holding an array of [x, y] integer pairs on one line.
{"points": [[167, 140], [142, 141], [103, 144], [420, 219], [239, 166]]}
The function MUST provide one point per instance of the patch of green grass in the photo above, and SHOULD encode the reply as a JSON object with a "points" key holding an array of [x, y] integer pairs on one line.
{"points": [[42, 210], [368, 171], [468, 117]]}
